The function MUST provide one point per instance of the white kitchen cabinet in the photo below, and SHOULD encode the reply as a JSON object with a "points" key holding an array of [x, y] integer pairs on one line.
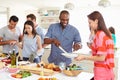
{"points": [[48, 15]]}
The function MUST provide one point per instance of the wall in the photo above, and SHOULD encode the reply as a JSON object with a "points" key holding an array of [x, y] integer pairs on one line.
{"points": [[78, 18]]}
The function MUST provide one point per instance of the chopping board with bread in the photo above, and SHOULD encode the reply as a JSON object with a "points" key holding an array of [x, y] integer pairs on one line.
{"points": [[48, 68], [36, 70]]}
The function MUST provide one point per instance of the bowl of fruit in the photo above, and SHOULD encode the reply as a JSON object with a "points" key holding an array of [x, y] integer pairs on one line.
{"points": [[72, 70]]}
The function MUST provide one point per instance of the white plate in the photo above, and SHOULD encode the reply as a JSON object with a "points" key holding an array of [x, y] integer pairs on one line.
{"points": [[23, 62], [26, 78], [70, 55], [14, 78]]}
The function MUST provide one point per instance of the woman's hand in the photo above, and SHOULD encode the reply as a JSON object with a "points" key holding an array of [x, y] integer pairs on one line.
{"points": [[80, 57], [89, 45]]}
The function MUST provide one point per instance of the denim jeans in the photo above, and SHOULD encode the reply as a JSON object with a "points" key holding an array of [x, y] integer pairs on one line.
{"points": [[36, 60]]}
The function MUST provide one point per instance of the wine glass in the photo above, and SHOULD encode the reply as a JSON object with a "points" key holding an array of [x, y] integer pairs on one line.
{"points": [[62, 65]]}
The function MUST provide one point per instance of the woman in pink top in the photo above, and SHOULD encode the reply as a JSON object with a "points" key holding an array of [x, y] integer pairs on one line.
{"points": [[102, 48]]}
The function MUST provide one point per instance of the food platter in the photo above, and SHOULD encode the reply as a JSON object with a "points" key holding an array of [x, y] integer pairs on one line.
{"points": [[70, 55], [37, 70], [47, 78], [20, 75], [23, 62], [3, 56]]}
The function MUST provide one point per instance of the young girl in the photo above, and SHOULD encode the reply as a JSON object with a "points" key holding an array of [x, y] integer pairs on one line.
{"points": [[31, 43], [102, 48]]}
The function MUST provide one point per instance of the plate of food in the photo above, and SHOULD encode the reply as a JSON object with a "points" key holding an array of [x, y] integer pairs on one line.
{"points": [[20, 75], [70, 55], [3, 56], [23, 62], [47, 78], [6, 60], [72, 70]]}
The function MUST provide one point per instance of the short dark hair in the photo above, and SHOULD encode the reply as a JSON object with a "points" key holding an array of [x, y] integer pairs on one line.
{"points": [[32, 16], [112, 30], [14, 18], [64, 12]]}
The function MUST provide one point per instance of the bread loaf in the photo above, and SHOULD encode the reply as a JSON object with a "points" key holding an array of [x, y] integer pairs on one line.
{"points": [[2, 64]]}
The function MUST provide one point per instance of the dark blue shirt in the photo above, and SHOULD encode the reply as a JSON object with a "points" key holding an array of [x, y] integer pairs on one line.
{"points": [[67, 37]]}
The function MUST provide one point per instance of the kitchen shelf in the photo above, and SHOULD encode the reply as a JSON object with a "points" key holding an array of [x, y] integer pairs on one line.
{"points": [[48, 15]]}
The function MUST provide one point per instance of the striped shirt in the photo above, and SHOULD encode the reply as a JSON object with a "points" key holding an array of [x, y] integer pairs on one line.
{"points": [[103, 45]]}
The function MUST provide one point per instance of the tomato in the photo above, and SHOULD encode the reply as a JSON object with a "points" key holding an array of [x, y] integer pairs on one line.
{"points": [[46, 78], [13, 75], [40, 78], [18, 76]]}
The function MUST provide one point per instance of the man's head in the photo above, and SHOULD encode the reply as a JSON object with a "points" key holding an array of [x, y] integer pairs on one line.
{"points": [[32, 18], [13, 21], [64, 18]]}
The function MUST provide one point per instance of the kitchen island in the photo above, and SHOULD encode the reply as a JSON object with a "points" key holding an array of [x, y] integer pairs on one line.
{"points": [[88, 65], [5, 75]]}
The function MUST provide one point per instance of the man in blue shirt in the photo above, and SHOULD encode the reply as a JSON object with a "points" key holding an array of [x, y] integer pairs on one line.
{"points": [[62, 34]]}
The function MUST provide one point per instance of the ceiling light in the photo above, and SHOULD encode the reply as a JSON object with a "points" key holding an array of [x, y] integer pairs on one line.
{"points": [[104, 3], [69, 6]]}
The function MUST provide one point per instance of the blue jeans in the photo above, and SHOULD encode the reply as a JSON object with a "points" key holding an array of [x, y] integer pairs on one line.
{"points": [[36, 60]]}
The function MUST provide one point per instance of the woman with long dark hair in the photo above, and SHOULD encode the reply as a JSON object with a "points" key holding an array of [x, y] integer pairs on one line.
{"points": [[102, 48], [31, 44]]}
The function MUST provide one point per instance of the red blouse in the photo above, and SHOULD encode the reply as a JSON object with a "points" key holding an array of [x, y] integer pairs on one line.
{"points": [[103, 45]]}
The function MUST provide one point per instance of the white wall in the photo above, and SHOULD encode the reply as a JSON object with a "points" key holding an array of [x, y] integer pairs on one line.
{"points": [[78, 18]]}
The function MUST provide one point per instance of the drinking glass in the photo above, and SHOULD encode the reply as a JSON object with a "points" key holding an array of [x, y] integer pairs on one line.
{"points": [[62, 65]]}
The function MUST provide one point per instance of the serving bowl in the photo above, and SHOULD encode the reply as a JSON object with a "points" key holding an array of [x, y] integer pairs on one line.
{"points": [[8, 61], [12, 69], [72, 72]]}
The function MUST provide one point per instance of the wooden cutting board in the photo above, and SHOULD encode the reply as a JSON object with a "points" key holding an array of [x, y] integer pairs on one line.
{"points": [[36, 70]]}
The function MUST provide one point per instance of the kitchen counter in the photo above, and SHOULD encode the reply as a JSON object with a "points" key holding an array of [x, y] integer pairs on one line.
{"points": [[88, 65], [5, 75]]}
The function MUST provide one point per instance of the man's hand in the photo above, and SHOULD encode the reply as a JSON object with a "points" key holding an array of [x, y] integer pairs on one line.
{"points": [[77, 46], [12, 42], [56, 42], [51, 41]]}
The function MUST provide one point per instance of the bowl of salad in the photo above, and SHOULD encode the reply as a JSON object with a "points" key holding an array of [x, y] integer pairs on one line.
{"points": [[72, 70]]}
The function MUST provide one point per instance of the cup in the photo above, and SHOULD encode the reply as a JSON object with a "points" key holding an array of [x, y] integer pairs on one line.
{"points": [[62, 65]]}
